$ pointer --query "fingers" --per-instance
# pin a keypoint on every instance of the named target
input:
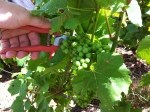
(14, 42)
(35, 40)
(39, 22)
(5, 44)
(24, 41)
(6, 34)
(31, 38)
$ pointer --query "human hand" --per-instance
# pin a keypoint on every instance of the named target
(14, 37)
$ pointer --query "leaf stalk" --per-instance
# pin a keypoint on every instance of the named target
(115, 38)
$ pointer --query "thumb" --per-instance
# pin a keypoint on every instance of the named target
(40, 22)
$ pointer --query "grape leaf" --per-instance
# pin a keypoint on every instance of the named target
(17, 105)
(60, 65)
(145, 80)
(57, 23)
(134, 13)
(132, 28)
(101, 25)
(84, 7)
(109, 3)
(33, 64)
(143, 50)
(23, 90)
(14, 87)
(109, 78)
(21, 62)
(27, 104)
(71, 23)
(52, 6)
(148, 12)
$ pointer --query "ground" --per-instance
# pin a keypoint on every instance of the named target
(139, 97)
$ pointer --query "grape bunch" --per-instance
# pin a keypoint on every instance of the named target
(81, 50)
(84, 100)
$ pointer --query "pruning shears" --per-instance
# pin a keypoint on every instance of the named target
(37, 48)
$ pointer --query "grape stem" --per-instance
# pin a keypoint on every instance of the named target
(108, 26)
(115, 38)
(65, 75)
(96, 18)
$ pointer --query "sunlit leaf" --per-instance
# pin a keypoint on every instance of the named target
(143, 50)
(108, 78)
(145, 80)
(134, 13)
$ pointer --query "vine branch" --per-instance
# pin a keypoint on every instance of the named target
(96, 18)
(115, 39)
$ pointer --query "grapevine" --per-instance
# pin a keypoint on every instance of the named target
(86, 65)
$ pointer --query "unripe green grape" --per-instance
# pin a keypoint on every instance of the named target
(98, 45)
(85, 45)
(80, 67)
(85, 50)
(62, 47)
(81, 54)
(74, 59)
(77, 63)
(84, 65)
(78, 58)
(65, 43)
(74, 52)
(94, 48)
(79, 48)
(89, 48)
(74, 44)
(88, 55)
(66, 51)
(71, 37)
(105, 47)
(88, 41)
(82, 60)
(87, 60)
(74, 67)
(99, 50)
(78, 37)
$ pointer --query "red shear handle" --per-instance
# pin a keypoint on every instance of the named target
(39, 30)
(51, 49)
(36, 29)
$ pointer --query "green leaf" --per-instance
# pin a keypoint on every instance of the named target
(33, 64)
(109, 3)
(27, 104)
(21, 62)
(84, 7)
(17, 105)
(132, 28)
(102, 26)
(145, 80)
(52, 6)
(57, 58)
(134, 13)
(148, 12)
(108, 78)
(143, 50)
(136, 110)
(71, 23)
(14, 87)
(57, 23)
(23, 90)
(123, 107)
(60, 65)
(1, 66)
